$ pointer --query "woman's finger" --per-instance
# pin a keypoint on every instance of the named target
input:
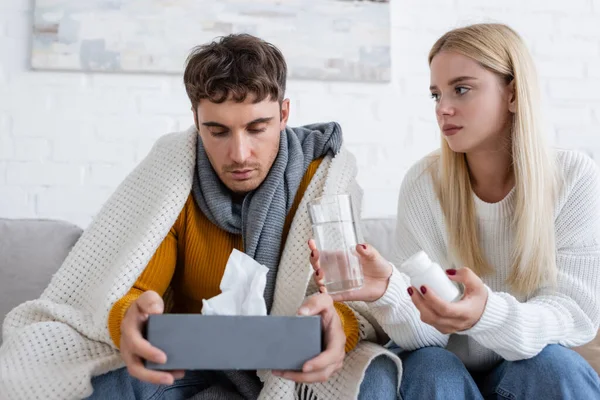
(440, 307)
(314, 255)
(469, 279)
(427, 314)
(319, 277)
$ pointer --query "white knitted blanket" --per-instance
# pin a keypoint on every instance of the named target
(54, 345)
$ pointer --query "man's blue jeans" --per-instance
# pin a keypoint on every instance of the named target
(380, 382)
(555, 373)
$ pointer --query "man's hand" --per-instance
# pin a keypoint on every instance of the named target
(320, 368)
(135, 349)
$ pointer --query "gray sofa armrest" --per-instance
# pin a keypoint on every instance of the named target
(31, 251)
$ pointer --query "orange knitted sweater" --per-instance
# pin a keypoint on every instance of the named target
(189, 264)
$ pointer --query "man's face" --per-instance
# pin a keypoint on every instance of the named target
(241, 139)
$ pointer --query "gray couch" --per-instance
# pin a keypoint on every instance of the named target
(32, 250)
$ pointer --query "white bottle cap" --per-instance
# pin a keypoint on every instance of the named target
(415, 264)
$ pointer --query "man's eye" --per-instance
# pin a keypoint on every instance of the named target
(257, 130)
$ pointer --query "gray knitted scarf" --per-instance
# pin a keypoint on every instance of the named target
(260, 221)
(262, 215)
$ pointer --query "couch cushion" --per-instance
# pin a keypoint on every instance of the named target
(31, 250)
(591, 352)
(379, 232)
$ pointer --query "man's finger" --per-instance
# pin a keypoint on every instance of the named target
(136, 369)
(127, 356)
(309, 377)
(179, 374)
(150, 302)
(317, 304)
(134, 342)
(330, 356)
(335, 351)
(142, 348)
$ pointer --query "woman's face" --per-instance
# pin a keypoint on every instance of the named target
(474, 106)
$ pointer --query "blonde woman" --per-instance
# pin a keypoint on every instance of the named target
(517, 224)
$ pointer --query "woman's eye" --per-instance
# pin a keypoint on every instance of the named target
(461, 90)
(435, 96)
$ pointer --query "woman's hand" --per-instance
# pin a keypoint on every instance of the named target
(376, 270)
(452, 317)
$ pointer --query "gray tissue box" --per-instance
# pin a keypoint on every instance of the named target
(215, 342)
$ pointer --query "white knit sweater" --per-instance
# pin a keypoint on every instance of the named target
(55, 344)
(511, 327)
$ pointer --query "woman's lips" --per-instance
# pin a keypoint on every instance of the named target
(450, 129)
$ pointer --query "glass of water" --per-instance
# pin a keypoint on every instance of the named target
(334, 232)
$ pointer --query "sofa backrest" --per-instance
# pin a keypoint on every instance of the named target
(379, 232)
(31, 250)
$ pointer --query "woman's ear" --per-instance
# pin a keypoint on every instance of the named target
(512, 97)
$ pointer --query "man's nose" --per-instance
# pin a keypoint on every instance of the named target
(240, 148)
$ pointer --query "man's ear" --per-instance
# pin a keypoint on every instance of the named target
(285, 113)
(512, 97)
(195, 112)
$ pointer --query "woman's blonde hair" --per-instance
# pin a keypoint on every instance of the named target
(500, 49)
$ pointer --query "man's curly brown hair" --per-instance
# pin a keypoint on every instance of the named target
(235, 66)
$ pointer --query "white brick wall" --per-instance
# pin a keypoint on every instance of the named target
(67, 139)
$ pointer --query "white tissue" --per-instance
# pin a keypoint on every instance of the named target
(242, 288)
